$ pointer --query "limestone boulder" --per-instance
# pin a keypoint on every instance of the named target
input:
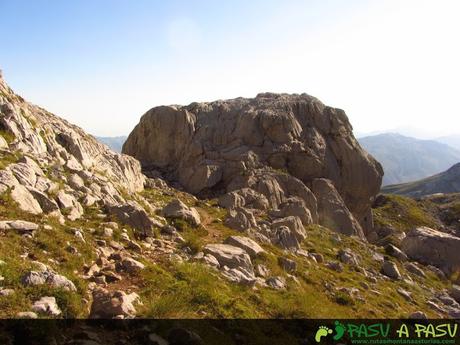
(134, 215)
(273, 144)
(230, 256)
(247, 244)
(47, 305)
(108, 305)
(432, 247)
(177, 209)
(240, 219)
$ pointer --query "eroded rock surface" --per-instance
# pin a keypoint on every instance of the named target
(266, 153)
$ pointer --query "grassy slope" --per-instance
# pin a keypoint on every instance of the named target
(193, 290)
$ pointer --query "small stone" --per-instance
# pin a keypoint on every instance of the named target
(406, 294)
(261, 271)
(414, 269)
(26, 315)
(6, 292)
(391, 270)
(418, 315)
(132, 266)
(277, 283)
(134, 246)
(33, 278)
(107, 232)
(47, 305)
(319, 258)
(287, 264)
(335, 266)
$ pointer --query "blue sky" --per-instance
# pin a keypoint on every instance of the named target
(101, 64)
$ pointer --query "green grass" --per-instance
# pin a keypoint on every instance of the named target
(7, 135)
(9, 158)
(403, 213)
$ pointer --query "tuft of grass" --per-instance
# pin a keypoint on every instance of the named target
(7, 135)
(9, 158)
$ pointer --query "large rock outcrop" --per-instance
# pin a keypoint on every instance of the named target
(275, 145)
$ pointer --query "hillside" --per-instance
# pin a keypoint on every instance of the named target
(406, 159)
(115, 143)
(83, 234)
(445, 182)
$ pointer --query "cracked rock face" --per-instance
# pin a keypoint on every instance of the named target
(275, 144)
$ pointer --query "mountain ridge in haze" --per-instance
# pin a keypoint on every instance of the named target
(445, 182)
(115, 143)
(451, 140)
(406, 159)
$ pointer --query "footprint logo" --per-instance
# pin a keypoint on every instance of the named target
(339, 330)
(322, 332)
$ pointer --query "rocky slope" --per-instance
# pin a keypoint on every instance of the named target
(405, 159)
(289, 155)
(445, 182)
(84, 234)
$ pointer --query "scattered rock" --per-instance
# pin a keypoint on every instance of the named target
(418, 315)
(47, 305)
(391, 270)
(240, 219)
(131, 266)
(239, 275)
(347, 257)
(319, 258)
(21, 226)
(406, 294)
(177, 209)
(134, 215)
(33, 278)
(6, 292)
(111, 304)
(335, 266)
(277, 283)
(47, 277)
(287, 264)
(59, 281)
(25, 200)
(414, 269)
(395, 252)
(424, 245)
(245, 243)
(230, 256)
(26, 315)
(294, 224)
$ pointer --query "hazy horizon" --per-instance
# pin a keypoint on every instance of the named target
(101, 65)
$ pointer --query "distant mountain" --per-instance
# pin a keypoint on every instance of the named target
(446, 182)
(406, 159)
(451, 140)
(115, 143)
